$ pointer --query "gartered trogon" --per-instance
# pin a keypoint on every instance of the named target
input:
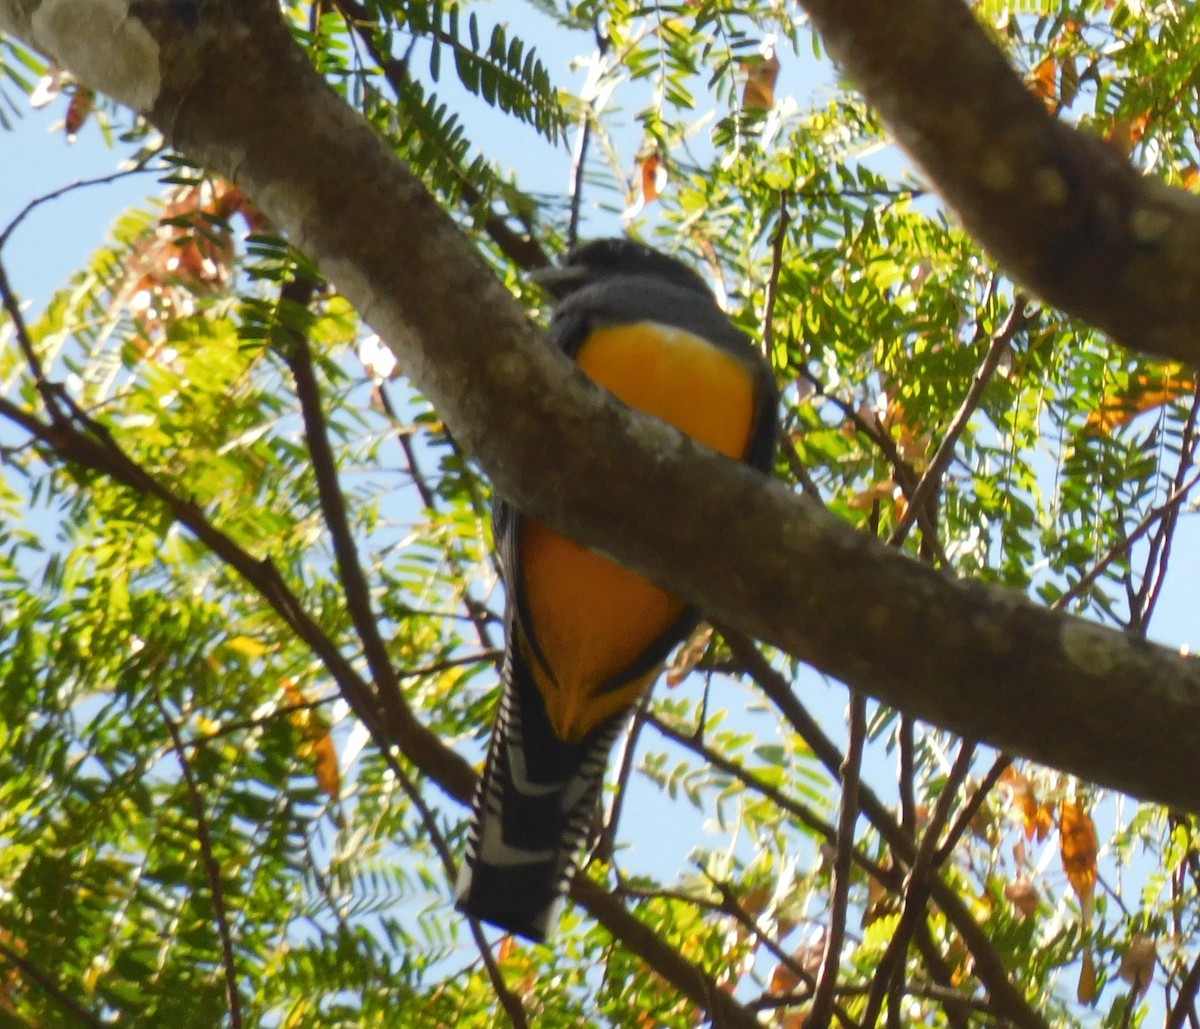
(586, 637)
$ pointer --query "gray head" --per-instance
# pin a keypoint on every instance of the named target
(616, 258)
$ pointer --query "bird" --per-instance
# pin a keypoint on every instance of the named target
(586, 637)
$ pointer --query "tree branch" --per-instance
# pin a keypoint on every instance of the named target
(931, 480)
(1062, 212)
(835, 932)
(211, 868)
(43, 981)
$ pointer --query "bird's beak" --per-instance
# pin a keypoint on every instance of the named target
(558, 279)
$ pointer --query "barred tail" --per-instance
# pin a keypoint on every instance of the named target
(533, 810)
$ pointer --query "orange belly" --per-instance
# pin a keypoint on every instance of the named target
(591, 617)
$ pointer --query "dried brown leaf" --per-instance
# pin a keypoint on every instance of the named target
(1138, 962)
(1079, 851)
(689, 655)
(1085, 991)
(761, 76)
(1023, 895)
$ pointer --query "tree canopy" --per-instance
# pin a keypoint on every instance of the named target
(250, 616)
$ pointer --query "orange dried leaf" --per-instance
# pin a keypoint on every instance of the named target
(783, 980)
(761, 76)
(316, 740)
(1137, 965)
(1079, 851)
(1043, 80)
(654, 177)
(1085, 992)
(1127, 132)
(80, 107)
(651, 180)
(1036, 818)
(1148, 391)
(325, 759)
(881, 493)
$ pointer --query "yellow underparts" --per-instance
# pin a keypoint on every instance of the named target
(591, 617)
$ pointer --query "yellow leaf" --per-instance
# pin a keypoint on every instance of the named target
(317, 741)
(325, 759)
(248, 646)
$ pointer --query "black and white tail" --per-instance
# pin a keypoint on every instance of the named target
(533, 811)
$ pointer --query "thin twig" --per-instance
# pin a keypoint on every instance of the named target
(477, 613)
(1155, 573)
(1185, 1003)
(490, 656)
(989, 968)
(25, 342)
(930, 481)
(785, 802)
(777, 245)
(831, 961)
(907, 774)
(608, 830)
(60, 997)
(798, 468)
(357, 591)
(916, 889)
(904, 474)
(578, 164)
(1173, 501)
(211, 868)
(971, 808)
(45, 198)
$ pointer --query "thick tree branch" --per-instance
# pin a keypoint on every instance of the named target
(975, 659)
(1061, 211)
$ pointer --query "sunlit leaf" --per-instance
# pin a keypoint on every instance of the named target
(1079, 849)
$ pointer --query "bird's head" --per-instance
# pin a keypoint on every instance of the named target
(615, 257)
